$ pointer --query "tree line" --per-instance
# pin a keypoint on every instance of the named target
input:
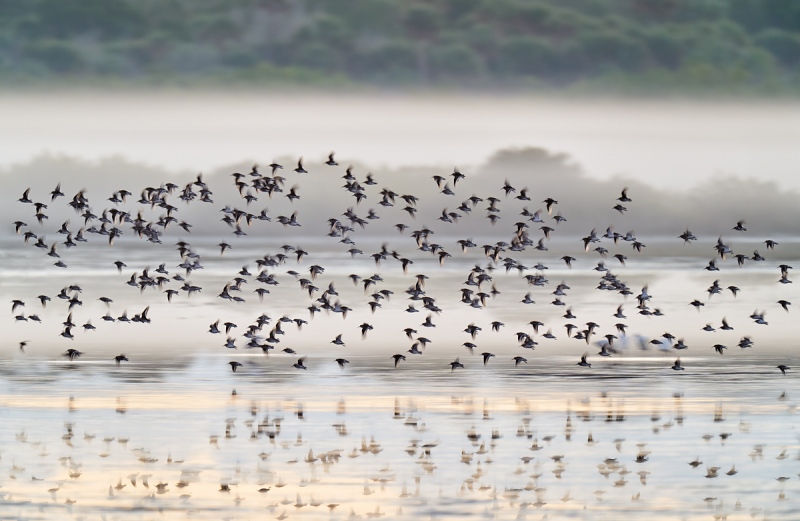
(661, 45)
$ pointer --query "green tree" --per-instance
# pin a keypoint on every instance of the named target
(332, 30)
(762, 14)
(599, 50)
(456, 61)
(105, 18)
(56, 55)
(422, 22)
(783, 45)
(317, 55)
(665, 47)
(395, 60)
(216, 28)
(525, 55)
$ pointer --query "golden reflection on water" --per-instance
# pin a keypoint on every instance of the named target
(468, 405)
(560, 454)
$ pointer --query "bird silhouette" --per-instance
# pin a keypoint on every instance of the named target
(455, 365)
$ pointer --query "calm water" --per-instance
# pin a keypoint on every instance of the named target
(174, 433)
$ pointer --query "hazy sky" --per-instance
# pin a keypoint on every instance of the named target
(664, 143)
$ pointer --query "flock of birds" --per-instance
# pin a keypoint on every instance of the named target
(155, 217)
(153, 220)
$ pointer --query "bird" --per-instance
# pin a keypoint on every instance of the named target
(120, 358)
(677, 365)
(486, 356)
(397, 359)
(457, 176)
(331, 161)
(455, 365)
(234, 365)
(24, 198)
(342, 362)
(519, 359)
(687, 236)
(299, 364)
(364, 328)
(72, 354)
(214, 328)
(784, 368)
(56, 193)
(583, 362)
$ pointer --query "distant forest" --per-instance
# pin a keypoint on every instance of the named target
(704, 46)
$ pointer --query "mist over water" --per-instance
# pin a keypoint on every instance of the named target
(173, 433)
(667, 144)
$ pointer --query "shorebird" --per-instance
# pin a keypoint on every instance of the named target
(550, 202)
(331, 161)
(687, 236)
(24, 198)
(72, 354)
